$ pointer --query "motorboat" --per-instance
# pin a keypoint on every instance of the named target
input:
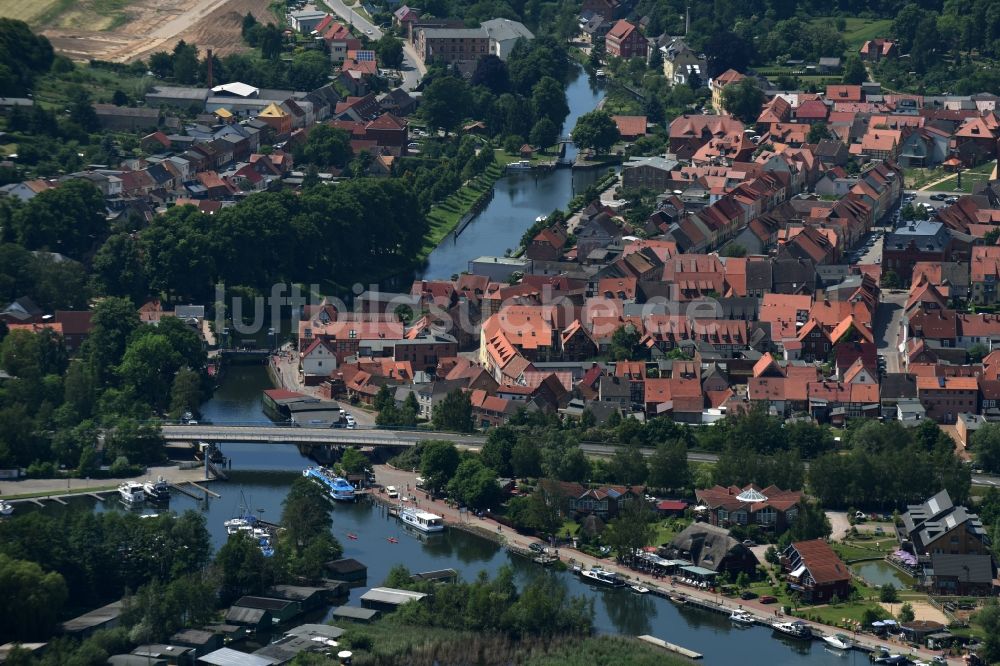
(522, 165)
(157, 491)
(740, 616)
(6, 508)
(264, 543)
(131, 492)
(599, 73)
(244, 521)
(601, 577)
(797, 629)
(839, 641)
(639, 588)
(339, 488)
(679, 599)
(421, 520)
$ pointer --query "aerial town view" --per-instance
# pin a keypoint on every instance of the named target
(541, 333)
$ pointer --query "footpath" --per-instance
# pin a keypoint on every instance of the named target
(405, 482)
(42, 488)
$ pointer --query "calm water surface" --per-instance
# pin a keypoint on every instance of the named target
(520, 198)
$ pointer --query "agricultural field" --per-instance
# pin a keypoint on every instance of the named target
(125, 30)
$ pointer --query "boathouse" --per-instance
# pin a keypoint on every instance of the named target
(308, 598)
(388, 599)
(438, 576)
(255, 619)
(230, 657)
(202, 641)
(347, 569)
(281, 610)
(356, 614)
(105, 617)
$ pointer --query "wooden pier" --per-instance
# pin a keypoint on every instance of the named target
(205, 490)
(670, 647)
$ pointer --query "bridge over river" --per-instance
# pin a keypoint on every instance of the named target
(263, 433)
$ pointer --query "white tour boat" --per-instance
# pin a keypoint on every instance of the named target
(740, 616)
(424, 521)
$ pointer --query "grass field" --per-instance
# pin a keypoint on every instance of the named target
(970, 178)
(444, 216)
(86, 14)
(857, 31)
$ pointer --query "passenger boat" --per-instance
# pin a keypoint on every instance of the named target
(338, 487)
(157, 491)
(131, 492)
(421, 520)
(796, 629)
(523, 165)
(601, 577)
(740, 616)
(6, 508)
(264, 543)
(639, 589)
(839, 641)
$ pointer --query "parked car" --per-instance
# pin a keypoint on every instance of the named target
(391, 492)
(768, 599)
(748, 595)
(938, 197)
(536, 547)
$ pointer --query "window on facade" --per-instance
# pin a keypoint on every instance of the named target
(740, 517)
(723, 514)
(766, 516)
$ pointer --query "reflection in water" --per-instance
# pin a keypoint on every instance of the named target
(631, 613)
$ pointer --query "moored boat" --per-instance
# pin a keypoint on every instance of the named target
(638, 588)
(131, 492)
(839, 641)
(601, 577)
(6, 508)
(740, 616)
(157, 491)
(796, 629)
(339, 488)
(421, 520)
(522, 165)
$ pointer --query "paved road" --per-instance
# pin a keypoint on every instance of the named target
(889, 328)
(412, 70)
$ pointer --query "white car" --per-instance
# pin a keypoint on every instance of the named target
(391, 492)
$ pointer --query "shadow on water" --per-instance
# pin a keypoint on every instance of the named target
(630, 613)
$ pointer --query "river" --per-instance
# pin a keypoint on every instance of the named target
(519, 198)
(262, 474)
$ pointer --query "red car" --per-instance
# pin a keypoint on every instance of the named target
(768, 599)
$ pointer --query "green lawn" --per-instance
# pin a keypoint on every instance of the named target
(857, 31)
(444, 216)
(970, 178)
(850, 551)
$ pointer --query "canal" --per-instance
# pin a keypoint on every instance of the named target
(261, 475)
(520, 197)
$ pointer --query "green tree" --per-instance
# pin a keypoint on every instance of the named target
(453, 413)
(118, 268)
(890, 280)
(743, 100)
(147, 368)
(548, 100)
(628, 465)
(186, 393)
(626, 344)
(544, 133)
(305, 513)
(389, 51)
(632, 530)
(244, 568)
(496, 452)
(185, 63)
(906, 612)
(888, 594)
(526, 458)
(69, 219)
(445, 102)
(818, 132)
(854, 71)
(597, 131)
(977, 351)
(668, 466)
(325, 146)
(31, 600)
(438, 462)
(989, 620)
(353, 461)
(475, 485)
(985, 445)
(112, 324)
(309, 70)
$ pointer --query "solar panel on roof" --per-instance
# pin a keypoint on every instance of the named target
(365, 56)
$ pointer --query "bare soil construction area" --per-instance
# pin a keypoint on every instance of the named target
(124, 30)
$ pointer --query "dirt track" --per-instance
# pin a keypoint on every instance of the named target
(158, 26)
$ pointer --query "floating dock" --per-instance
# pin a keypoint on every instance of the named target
(670, 647)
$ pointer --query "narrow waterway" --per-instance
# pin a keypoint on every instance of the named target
(262, 473)
(520, 197)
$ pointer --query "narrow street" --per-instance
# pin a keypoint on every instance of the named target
(889, 328)
(405, 482)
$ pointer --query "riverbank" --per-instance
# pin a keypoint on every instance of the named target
(42, 488)
(406, 483)
(469, 199)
